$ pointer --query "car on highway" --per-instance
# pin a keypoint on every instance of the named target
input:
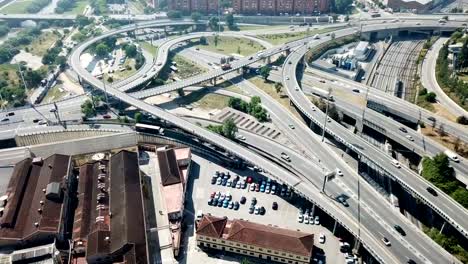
(53, 110)
(339, 172)
(274, 206)
(396, 163)
(42, 122)
(287, 77)
(399, 230)
(410, 261)
(322, 80)
(431, 191)
(146, 75)
(285, 157)
(291, 126)
(342, 201)
(5, 119)
(322, 238)
(402, 129)
(313, 108)
(356, 90)
(386, 241)
(328, 119)
(410, 138)
(10, 114)
(431, 118)
(106, 116)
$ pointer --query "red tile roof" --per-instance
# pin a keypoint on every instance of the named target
(168, 166)
(257, 234)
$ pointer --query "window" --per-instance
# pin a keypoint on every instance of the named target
(289, 261)
(223, 242)
(208, 238)
(251, 247)
(244, 246)
(283, 254)
(260, 249)
(214, 246)
(238, 244)
(251, 253)
(291, 256)
(237, 250)
(268, 250)
(275, 258)
(245, 252)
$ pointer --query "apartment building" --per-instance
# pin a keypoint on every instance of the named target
(254, 7)
(247, 238)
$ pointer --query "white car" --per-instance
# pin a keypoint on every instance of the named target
(410, 138)
(322, 238)
(339, 172)
(313, 108)
(287, 77)
(306, 220)
(252, 187)
(257, 210)
(386, 241)
(300, 218)
(317, 220)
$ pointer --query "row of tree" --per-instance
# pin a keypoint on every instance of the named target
(64, 5)
(437, 170)
(446, 76)
(11, 47)
(254, 108)
(228, 129)
(37, 5)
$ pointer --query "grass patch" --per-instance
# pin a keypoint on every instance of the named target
(277, 39)
(18, 7)
(55, 93)
(448, 141)
(231, 45)
(148, 47)
(422, 102)
(269, 88)
(203, 99)
(138, 6)
(186, 68)
(120, 75)
(40, 45)
(228, 86)
(78, 9)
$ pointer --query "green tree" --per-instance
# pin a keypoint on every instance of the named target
(238, 50)
(462, 120)
(61, 61)
(131, 50)
(278, 87)
(203, 41)
(196, 16)
(230, 22)
(213, 23)
(229, 128)
(4, 29)
(82, 21)
(342, 6)
(174, 14)
(216, 39)
(102, 50)
(431, 97)
(138, 117)
(265, 72)
(461, 195)
(110, 79)
(87, 109)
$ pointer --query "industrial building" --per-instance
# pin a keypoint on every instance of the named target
(109, 224)
(257, 240)
(35, 209)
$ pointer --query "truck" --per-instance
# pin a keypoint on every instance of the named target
(452, 155)
(225, 66)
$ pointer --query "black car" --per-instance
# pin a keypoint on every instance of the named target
(431, 119)
(5, 119)
(10, 114)
(220, 203)
(251, 209)
(402, 129)
(410, 261)
(356, 90)
(262, 210)
(210, 201)
(399, 230)
(213, 180)
(254, 201)
(243, 200)
(343, 201)
(431, 191)
(274, 206)
(236, 205)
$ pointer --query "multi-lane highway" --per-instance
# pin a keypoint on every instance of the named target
(454, 213)
(302, 185)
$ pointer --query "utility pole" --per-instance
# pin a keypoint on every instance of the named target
(326, 114)
(104, 84)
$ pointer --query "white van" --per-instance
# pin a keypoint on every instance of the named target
(396, 163)
(452, 155)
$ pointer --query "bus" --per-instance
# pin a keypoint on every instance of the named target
(145, 128)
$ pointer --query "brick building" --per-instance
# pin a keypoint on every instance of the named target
(254, 7)
(252, 239)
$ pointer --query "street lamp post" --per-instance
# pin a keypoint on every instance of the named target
(326, 114)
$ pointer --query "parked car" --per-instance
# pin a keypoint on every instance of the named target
(210, 201)
(249, 179)
(236, 205)
(231, 205)
(252, 187)
(257, 187)
(219, 181)
(243, 200)
(220, 203)
(213, 180)
(322, 238)
(262, 188)
(274, 206)
(317, 220)
(262, 210)
(254, 201)
(225, 203)
(300, 218)
(251, 209)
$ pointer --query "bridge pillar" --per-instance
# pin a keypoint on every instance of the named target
(268, 60)
(357, 245)
(287, 52)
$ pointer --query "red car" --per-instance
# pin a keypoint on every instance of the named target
(106, 116)
(213, 195)
(249, 179)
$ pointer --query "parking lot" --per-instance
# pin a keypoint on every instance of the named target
(286, 216)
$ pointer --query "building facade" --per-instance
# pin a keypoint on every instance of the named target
(254, 7)
(256, 240)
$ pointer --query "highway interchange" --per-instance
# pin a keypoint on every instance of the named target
(373, 218)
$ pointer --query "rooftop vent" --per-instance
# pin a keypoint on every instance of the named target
(79, 243)
(36, 224)
(50, 166)
(41, 202)
(107, 239)
(39, 210)
(1, 211)
(38, 161)
(54, 191)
